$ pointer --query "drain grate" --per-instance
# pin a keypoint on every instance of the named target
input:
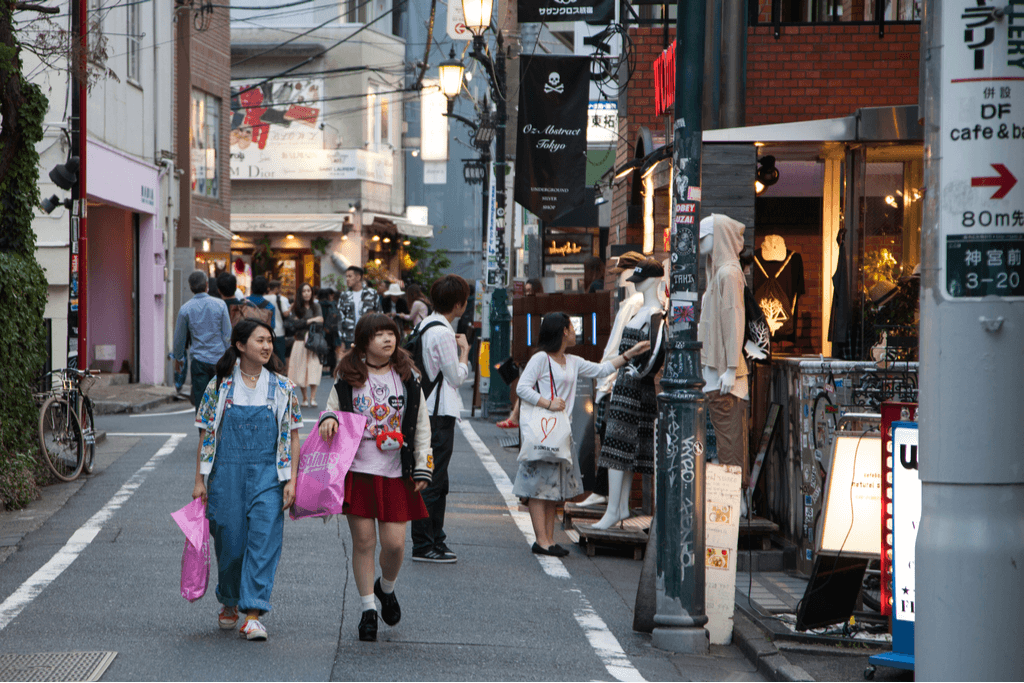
(55, 666)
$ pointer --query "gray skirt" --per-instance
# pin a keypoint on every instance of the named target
(548, 480)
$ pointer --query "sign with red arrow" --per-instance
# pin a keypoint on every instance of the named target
(1004, 181)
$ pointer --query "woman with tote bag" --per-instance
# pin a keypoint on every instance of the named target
(548, 469)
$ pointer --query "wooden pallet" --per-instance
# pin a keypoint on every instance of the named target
(758, 531)
(632, 532)
(573, 512)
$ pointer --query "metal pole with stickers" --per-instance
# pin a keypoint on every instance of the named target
(970, 550)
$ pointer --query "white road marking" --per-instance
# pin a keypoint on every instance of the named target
(174, 412)
(598, 634)
(84, 535)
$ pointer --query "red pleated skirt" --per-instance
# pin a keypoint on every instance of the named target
(382, 498)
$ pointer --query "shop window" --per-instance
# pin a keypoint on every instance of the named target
(134, 37)
(378, 118)
(828, 11)
(204, 141)
(367, 11)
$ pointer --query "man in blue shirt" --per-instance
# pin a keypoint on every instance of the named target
(206, 320)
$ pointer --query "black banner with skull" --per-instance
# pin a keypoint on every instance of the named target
(551, 146)
(590, 11)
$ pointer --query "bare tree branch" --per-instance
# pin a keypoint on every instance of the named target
(36, 8)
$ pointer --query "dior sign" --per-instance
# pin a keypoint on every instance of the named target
(552, 141)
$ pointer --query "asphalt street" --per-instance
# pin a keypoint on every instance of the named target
(102, 574)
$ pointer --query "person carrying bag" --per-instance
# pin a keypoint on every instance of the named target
(548, 470)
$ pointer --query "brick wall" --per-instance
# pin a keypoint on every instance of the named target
(828, 71)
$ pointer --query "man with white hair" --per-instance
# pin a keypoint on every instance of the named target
(206, 320)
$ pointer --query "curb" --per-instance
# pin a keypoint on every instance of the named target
(115, 407)
(763, 653)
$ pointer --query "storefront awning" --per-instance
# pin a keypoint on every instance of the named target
(215, 229)
(404, 225)
(289, 223)
(869, 124)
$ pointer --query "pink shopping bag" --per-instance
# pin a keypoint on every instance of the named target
(195, 560)
(320, 482)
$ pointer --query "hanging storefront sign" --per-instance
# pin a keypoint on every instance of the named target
(981, 214)
(277, 134)
(602, 122)
(574, 248)
(590, 11)
(552, 140)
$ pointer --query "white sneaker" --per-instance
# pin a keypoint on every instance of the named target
(253, 630)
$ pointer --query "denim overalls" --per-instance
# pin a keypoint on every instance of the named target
(244, 503)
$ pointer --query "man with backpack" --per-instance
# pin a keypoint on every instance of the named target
(442, 358)
(245, 308)
(204, 320)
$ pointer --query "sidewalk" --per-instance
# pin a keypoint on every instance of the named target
(132, 398)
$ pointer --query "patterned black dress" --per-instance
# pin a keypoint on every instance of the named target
(628, 442)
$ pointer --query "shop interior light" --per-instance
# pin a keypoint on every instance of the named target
(758, 187)
(206, 245)
(376, 238)
(290, 236)
(478, 15)
(386, 240)
(344, 238)
(406, 242)
(377, 261)
(236, 237)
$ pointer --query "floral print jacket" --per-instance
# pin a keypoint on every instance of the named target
(286, 409)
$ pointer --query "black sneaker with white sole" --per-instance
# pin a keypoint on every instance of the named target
(436, 556)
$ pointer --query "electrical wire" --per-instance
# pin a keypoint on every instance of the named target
(257, 9)
(296, 37)
(398, 3)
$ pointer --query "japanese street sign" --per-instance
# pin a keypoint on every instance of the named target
(981, 217)
(457, 22)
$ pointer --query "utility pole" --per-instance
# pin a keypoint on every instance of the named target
(679, 495)
(970, 550)
(79, 142)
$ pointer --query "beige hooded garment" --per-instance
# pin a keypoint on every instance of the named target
(722, 316)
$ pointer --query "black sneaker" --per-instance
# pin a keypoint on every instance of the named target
(443, 547)
(368, 626)
(436, 556)
(390, 612)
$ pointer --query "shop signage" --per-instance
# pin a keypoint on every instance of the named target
(552, 141)
(602, 122)
(981, 213)
(853, 502)
(314, 164)
(665, 79)
(457, 22)
(591, 11)
(567, 248)
(906, 515)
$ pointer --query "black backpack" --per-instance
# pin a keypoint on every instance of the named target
(414, 345)
(756, 331)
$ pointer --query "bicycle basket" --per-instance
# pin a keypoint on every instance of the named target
(85, 384)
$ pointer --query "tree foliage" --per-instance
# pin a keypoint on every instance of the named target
(22, 282)
(425, 263)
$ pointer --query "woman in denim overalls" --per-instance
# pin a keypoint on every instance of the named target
(249, 448)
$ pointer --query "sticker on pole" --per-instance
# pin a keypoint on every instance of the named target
(981, 217)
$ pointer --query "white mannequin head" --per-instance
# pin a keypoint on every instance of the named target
(630, 289)
(647, 285)
(707, 243)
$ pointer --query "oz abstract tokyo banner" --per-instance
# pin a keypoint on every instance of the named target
(591, 11)
(551, 161)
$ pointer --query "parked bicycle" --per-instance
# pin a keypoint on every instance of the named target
(67, 433)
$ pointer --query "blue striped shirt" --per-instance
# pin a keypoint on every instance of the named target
(207, 320)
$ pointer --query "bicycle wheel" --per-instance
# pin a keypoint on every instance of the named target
(60, 437)
(85, 419)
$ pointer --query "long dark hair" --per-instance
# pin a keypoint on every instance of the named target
(413, 293)
(240, 335)
(551, 330)
(352, 367)
(300, 308)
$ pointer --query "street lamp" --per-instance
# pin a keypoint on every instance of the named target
(478, 15)
(450, 74)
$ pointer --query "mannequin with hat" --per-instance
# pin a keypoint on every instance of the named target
(720, 332)
(632, 301)
(628, 444)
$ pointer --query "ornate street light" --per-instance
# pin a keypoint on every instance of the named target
(450, 74)
(478, 15)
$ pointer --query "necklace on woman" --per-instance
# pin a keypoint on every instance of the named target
(379, 367)
(247, 376)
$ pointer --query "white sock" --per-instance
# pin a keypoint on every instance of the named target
(387, 586)
(368, 602)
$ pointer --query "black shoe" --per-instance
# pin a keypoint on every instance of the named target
(553, 551)
(368, 626)
(390, 612)
(436, 556)
(443, 548)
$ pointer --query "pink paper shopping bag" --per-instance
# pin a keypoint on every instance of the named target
(195, 560)
(320, 482)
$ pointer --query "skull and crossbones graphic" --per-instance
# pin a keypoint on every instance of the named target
(554, 83)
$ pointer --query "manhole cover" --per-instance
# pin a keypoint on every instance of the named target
(55, 666)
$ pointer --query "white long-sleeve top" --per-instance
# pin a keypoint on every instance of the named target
(441, 354)
(535, 381)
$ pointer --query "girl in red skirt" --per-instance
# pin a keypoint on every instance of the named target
(392, 464)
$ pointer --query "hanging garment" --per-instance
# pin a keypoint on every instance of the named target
(775, 288)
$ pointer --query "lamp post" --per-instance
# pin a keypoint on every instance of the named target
(450, 76)
(478, 19)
